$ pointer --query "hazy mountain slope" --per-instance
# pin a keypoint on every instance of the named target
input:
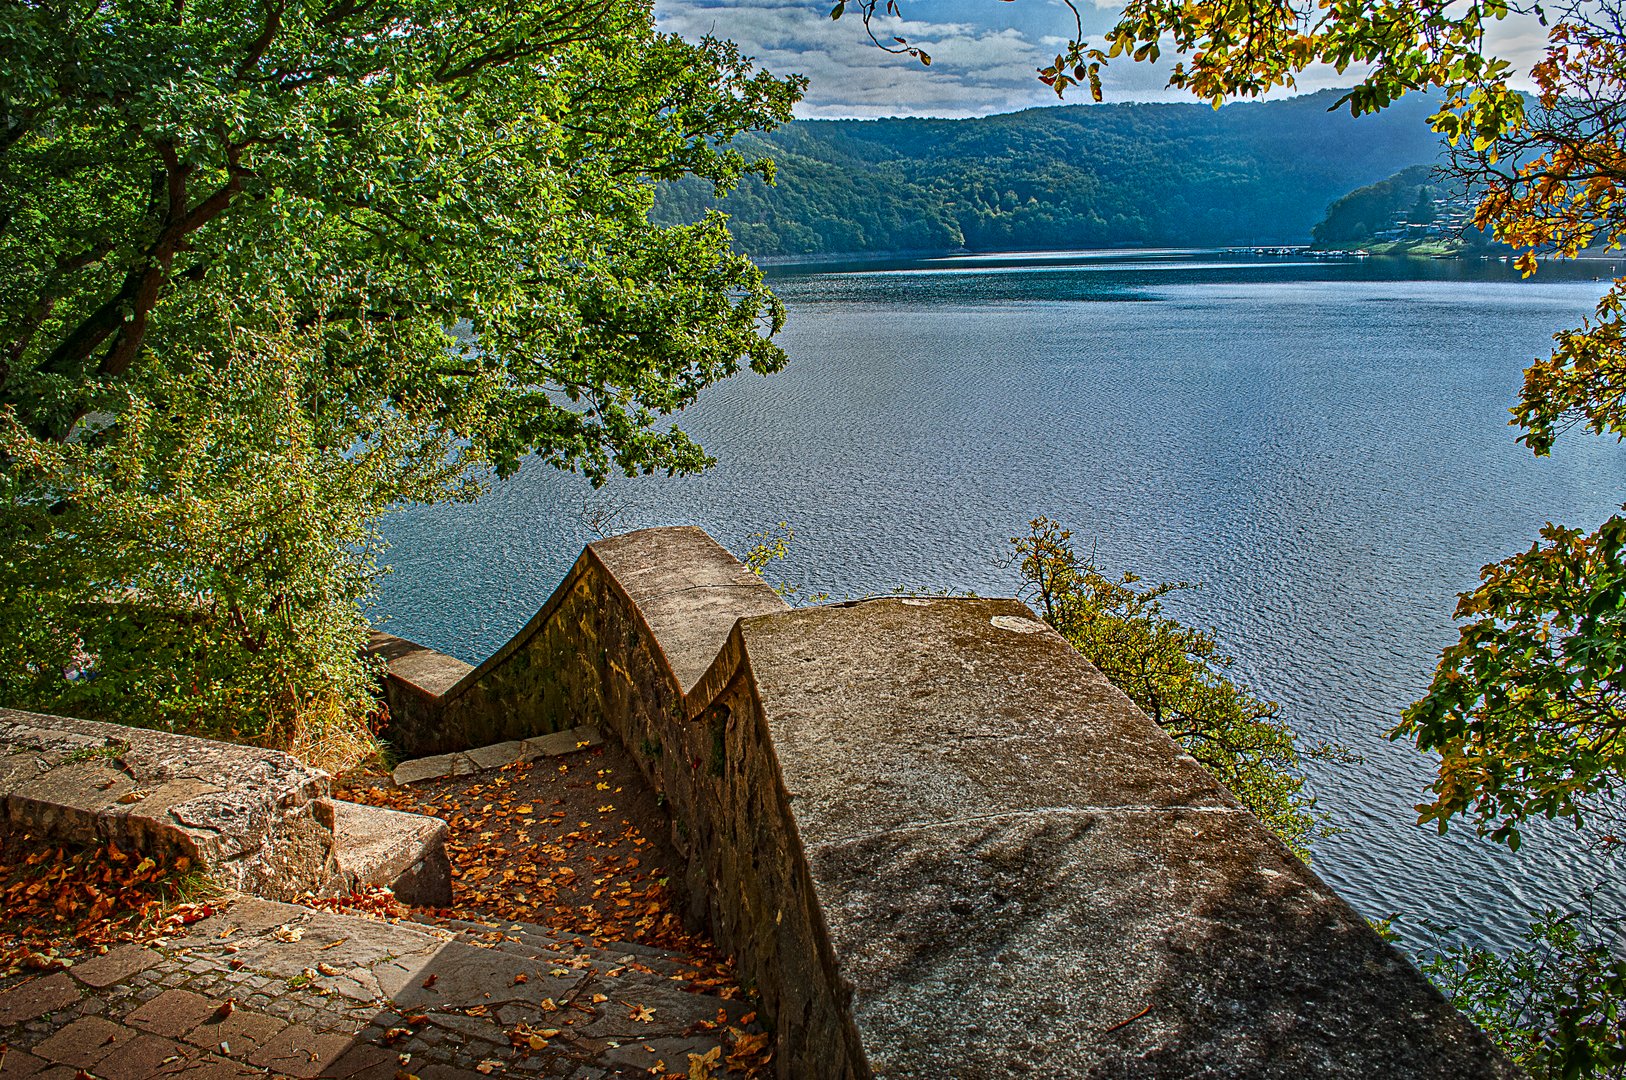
(1072, 176)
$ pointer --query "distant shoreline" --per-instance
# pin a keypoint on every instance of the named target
(1422, 252)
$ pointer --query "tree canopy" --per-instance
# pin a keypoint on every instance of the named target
(270, 267)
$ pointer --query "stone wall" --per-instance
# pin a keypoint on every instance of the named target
(256, 820)
(939, 843)
(565, 668)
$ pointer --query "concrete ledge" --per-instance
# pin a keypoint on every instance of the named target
(678, 588)
(242, 813)
(256, 820)
(425, 670)
(484, 758)
(985, 818)
(405, 853)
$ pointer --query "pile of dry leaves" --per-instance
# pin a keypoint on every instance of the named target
(573, 844)
(61, 902)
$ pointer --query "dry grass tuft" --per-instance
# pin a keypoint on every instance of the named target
(326, 735)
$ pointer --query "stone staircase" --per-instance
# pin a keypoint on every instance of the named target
(528, 939)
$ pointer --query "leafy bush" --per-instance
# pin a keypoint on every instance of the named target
(1557, 1006)
(201, 565)
(1179, 676)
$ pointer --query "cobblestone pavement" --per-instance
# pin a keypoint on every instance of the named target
(269, 989)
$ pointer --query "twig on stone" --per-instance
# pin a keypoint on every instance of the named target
(1120, 1025)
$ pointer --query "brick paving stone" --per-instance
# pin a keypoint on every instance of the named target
(118, 966)
(443, 1072)
(36, 998)
(144, 1056)
(210, 1067)
(244, 1031)
(177, 1033)
(16, 1064)
(300, 1052)
(364, 1061)
(84, 1042)
(57, 1072)
(174, 1012)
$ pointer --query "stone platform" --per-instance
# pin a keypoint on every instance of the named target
(256, 820)
(271, 989)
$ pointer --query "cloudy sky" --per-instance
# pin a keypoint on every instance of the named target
(984, 53)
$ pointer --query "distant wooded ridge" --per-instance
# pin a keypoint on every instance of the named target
(1071, 176)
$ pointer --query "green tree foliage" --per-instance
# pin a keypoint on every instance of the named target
(270, 268)
(1527, 710)
(1553, 1004)
(1352, 219)
(1074, 176)
(1178, 675)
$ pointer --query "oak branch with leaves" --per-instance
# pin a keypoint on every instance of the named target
(269, 268)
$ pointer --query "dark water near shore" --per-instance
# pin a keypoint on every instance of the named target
(1323, 445)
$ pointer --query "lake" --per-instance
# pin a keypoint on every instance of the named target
(1323, 445)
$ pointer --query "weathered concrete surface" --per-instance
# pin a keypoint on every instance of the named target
(315, 994)
(257, 820)
(986, 821)
(496, 756)
(417, 665)
(403, 852)
(241, 812)
(416, 679)
(687, 591)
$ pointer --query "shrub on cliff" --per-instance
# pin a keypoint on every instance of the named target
(268, 269)
(1178, 675)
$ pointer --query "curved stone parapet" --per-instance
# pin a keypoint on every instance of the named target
(941, 844)
(676, 586)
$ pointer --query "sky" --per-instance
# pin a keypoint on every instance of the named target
(985, 54)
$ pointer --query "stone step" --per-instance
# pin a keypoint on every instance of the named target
(244, 814)
(375, 846)
(495, 756)
(529, 939)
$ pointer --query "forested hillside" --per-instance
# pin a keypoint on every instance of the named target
(1414, 208)
(1072, 176)
(1359, 216)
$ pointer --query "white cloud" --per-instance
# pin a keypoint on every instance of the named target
(974, 71)
(985, 55)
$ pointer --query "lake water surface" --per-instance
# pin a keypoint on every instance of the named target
(1323, 445)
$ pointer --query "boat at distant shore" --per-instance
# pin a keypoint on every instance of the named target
(1301, 251)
